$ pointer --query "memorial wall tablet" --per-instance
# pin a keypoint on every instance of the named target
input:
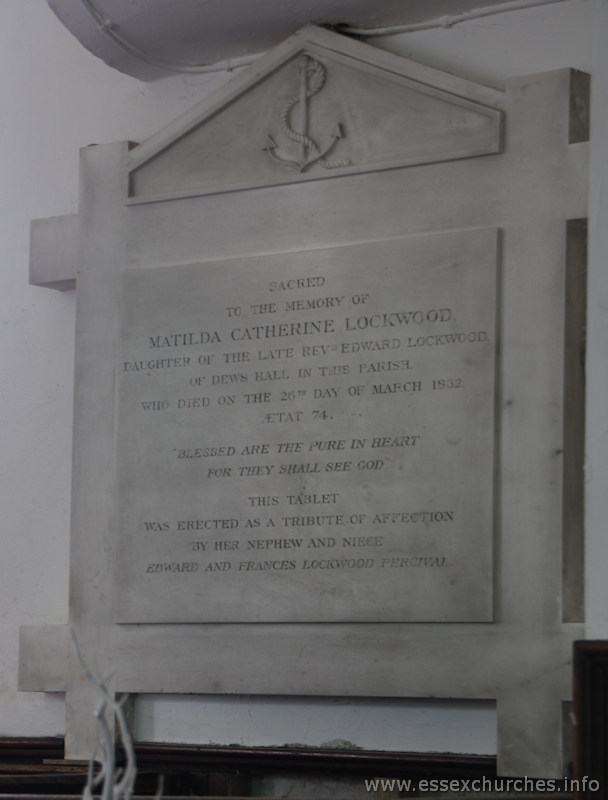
(310, 436)
(328, 410)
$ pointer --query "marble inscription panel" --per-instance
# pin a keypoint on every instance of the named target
(309, 436)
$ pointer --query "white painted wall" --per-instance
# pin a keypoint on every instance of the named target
(54, 98)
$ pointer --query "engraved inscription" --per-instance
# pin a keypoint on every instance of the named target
(309, 436)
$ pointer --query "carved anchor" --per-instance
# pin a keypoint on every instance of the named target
(312, 80)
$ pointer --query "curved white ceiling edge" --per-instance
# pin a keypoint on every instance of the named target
(149, 39)
(80, 23)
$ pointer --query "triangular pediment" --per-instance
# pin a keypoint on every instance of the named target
(317, 106)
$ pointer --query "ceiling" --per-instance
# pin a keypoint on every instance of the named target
(143, 37)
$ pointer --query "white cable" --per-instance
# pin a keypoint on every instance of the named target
(448, 21)
(107, 26)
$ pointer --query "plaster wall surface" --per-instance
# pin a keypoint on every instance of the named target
(58, 98)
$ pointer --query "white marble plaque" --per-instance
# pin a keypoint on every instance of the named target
(310, 436)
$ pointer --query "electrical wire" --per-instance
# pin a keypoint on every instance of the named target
(446, 21)
(108, 27)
